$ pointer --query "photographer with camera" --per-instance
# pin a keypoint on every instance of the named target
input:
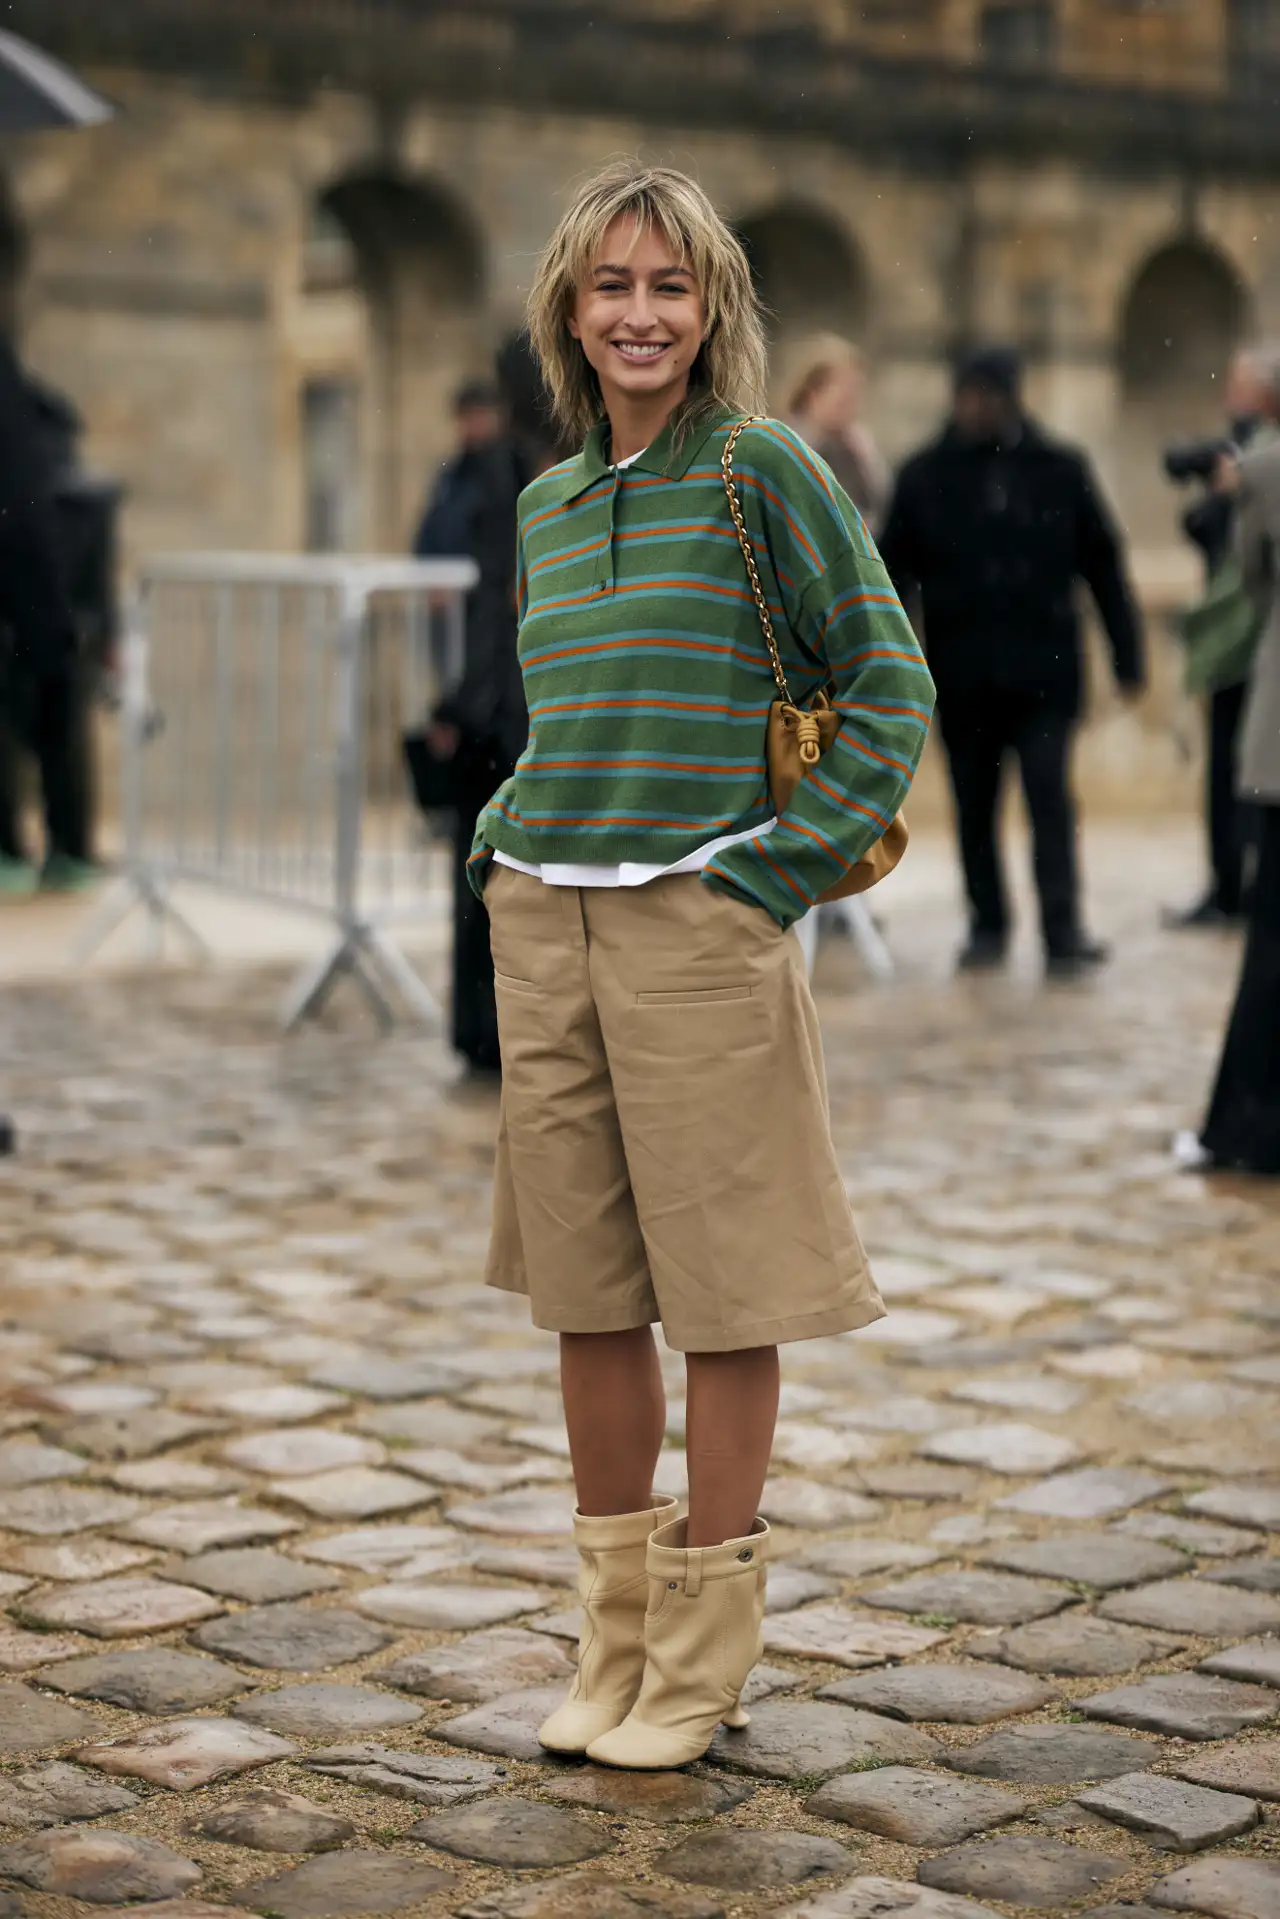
(1241, 1132)
(1220, 634)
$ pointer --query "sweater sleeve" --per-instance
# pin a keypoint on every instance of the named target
(847, 625)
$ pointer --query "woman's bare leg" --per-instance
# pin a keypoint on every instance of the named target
(732, 1411)
(615, 1410)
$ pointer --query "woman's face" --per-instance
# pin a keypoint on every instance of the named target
(639, 316)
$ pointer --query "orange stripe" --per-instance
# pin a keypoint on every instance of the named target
(884, 759)
(801, 454)
(759, 846)
(795, 826)
(854, 806)
(860, 659)
(626, 766)
(574, 553)
(608, 646)
(625, 706)
(745, 479)
(613, 819)
(642, 586)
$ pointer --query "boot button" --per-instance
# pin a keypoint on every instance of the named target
(672, 1585)
(747, 1554)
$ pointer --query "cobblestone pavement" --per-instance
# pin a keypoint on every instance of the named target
(283, 1492)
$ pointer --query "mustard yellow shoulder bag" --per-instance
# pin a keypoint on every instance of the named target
(797, 737)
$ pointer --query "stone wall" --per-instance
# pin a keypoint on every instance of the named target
(224, 248)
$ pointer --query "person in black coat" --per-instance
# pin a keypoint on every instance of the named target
(481, 724)
(37, 632)
(994, 523)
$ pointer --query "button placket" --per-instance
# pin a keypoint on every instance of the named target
(604, 559)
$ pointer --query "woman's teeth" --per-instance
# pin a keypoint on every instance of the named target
(633, 351)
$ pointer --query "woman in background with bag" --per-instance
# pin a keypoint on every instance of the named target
(695, 592)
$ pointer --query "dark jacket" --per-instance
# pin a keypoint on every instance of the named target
(488, 703)
(995, 538)
(35, 614)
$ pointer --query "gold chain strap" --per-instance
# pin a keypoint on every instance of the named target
(762, 605)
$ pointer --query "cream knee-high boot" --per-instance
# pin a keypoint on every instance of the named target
(613, 1586)
(702, 1638)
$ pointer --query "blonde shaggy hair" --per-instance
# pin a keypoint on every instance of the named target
(731, 367)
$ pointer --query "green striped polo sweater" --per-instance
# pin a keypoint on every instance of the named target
(648, 679)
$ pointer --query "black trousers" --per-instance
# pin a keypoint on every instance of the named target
(1231, 821)
(46, 717)
(1243, 1127)
(979, 733)
(475, 1007)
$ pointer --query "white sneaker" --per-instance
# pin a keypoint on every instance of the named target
(1188, 1152)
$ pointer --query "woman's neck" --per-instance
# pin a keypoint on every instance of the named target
(636, 420)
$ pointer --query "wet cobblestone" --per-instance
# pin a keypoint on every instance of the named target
(273, 1463)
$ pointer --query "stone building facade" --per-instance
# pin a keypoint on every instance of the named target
(312, 218)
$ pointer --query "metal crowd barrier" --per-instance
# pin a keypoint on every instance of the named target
(262, 709)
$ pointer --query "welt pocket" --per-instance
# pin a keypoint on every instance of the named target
(525, 986)
(706, 996)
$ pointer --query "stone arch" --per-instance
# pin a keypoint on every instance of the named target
(1183, 316)
(413, 257)
(809, 272)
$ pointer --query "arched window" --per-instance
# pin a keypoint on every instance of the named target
(328, 256)
(375, 411)
(393, 226)
(1184, 315)
(1253, 30)
(1019, 33)
(807, 271)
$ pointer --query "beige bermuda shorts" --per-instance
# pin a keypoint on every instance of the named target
(664, 1150)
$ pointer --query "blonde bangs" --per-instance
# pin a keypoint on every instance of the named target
(731, 368)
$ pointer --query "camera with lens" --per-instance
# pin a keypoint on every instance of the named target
(1195, 459)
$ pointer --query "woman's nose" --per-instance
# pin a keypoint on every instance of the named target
(640, 315)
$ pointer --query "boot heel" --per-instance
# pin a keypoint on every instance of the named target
(736, 1717)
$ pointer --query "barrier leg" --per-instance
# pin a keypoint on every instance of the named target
(310, 993)
(395, 968)
(365, 974)
(136, 889)
(870, 942)
(807, 934)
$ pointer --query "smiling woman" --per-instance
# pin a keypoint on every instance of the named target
(664, 1152)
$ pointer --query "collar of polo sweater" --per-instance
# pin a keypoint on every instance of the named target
(661, 456)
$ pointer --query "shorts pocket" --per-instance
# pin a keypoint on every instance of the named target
(704, 996)
(511, 985)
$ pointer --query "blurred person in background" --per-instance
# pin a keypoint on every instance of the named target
(446, 523)
(481, 724)
(824, 405)
(1242, 1130)
(38, 702)
(1209, 523)
(994, 523)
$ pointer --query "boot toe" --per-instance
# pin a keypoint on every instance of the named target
(636, 1747)
(572, 1727)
